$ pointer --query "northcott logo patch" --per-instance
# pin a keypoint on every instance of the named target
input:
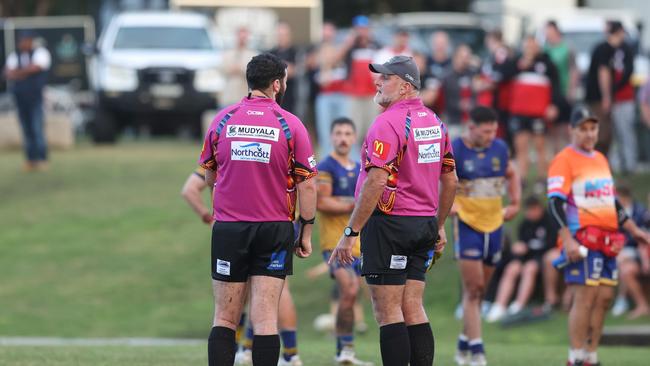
(380, 149)
(256, 132)
(250, 151)
(429, 153)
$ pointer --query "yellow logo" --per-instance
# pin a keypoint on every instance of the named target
(379, 147)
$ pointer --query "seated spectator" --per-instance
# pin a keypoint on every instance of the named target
(633, 262)
(536, 236)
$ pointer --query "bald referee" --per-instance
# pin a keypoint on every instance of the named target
(404, 194)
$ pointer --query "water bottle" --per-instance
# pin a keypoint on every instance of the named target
(563, 260)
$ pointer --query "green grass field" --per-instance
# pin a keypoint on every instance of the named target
(102, 245)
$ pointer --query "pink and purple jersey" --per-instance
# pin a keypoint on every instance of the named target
(410, 142)
(260, 152)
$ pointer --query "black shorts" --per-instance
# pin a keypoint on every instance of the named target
(534, 125)
(397, 248)
(243, 249)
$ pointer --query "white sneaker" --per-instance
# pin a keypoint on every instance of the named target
(621, 306)
(293, 361)
(244, 358)
(348, 358)
(478, 359)
(514, 308)
(462, 358)
(496, 313)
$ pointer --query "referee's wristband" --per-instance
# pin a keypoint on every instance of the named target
(306, 222)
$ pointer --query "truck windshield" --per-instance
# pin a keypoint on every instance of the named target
(177, 38)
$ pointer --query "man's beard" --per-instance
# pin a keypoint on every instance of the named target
(381, 99)
(280, 95)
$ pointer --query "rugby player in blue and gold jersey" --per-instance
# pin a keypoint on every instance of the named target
(484, 172)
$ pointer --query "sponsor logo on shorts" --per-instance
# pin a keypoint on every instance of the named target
(429, 153)
(427, 134)
(223, 267)
(277, 261)
(380, 149)
(256, 132)
(472, 253)
(250, 151)
(398, 262)
(555, 182)
(312, 161)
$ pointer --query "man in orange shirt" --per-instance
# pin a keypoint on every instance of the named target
(580, 179)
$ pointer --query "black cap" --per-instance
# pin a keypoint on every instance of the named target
(581, 114)
(402, 66)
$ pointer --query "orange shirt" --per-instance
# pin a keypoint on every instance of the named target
(585, 181)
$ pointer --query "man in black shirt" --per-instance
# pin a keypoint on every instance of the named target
(610, 93)
(286, 51)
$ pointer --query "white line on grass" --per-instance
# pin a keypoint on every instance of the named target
(136, 342)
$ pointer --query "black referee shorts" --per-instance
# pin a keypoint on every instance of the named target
(397, 248)
(243, 249)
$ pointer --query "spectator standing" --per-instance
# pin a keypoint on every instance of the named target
(234, 68)
(611, 95)
(437, 65)
(26, 70)
(644, 106)
(286, 51)
(358, 51)
(533, 104)
(564, 60)
(330, 75)
(494, 69)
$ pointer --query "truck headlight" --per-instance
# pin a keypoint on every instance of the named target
(208, 81)
(119, 79)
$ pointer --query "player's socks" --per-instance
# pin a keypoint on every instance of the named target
(248, 340)
(266, 350)
(476, 346)
(289, 344)
(422, 344)
(591, 358)
(241, 328)
(221, 346)
(344, 341)
(463, 343)
(576, 355)
(395, 346)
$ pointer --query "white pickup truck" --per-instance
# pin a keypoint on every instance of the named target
(152, 68)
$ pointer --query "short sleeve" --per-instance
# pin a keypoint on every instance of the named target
(12, 62)
(324, 173)
(448, 160)
(305, 167)
(42, 58)
(382, 144)
(559, 178)
(208, 160)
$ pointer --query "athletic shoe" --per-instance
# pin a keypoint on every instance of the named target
(244, 358)
(621, 306)
(496, 313)
(514, 308)
(462, 358)
(478, 359)
(293, 361)
(348, 358)
(577, 363)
